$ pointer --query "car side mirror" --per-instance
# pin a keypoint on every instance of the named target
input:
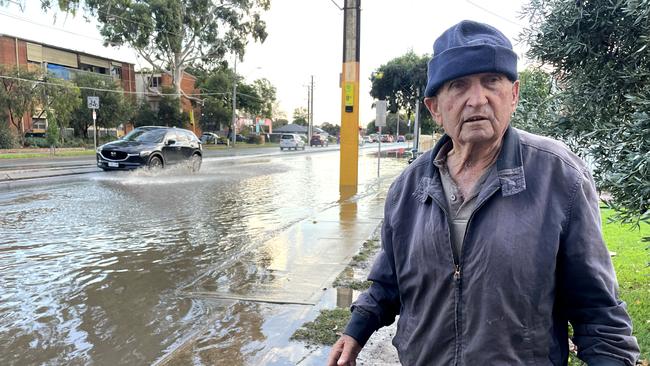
(171, 142)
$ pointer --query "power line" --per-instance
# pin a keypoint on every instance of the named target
(106, 90)
(50, 26)
(494, 14)
(337, 5)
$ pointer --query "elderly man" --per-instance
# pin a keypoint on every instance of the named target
(491, 242)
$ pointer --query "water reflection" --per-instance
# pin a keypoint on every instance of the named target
(98, 271)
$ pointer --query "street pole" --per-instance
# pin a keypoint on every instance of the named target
(379, 154)
(416, 127)
(308, 112)
(234, 105)
(349, 153)
(380, 121)
(95, 128)
(397, 133)
(311, 109)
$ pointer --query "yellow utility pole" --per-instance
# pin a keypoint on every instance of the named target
(349, 167)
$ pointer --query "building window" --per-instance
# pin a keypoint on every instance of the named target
(116, 72)
(154, 82)
(95, 69)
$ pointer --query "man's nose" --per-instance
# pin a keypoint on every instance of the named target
(476, 95)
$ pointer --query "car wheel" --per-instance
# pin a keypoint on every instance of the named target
(155, 163)
(195, 163)
(282, 148)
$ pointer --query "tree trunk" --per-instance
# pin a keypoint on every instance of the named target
(177, 73)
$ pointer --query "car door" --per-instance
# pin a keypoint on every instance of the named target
(185, 141)
(171, 149)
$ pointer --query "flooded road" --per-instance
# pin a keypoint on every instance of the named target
(128, 268)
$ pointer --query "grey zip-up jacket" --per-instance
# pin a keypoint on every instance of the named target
(533, 258)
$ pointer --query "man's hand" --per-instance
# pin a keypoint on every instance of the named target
(344, 352)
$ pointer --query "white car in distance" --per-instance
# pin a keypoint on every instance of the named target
(291, 141)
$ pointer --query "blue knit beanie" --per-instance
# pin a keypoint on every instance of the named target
(469, 48)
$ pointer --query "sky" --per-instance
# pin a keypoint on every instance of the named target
(305, 40)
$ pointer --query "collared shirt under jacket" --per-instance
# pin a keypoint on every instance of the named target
(532, 259)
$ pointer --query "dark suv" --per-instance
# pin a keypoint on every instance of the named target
(318, 140)
(153, 147)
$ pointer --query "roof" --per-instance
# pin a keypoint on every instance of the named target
(291, 128)
(75, 50)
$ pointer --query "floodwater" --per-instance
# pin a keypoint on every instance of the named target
(130, 268)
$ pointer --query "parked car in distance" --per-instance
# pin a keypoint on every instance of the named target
(291, 141)
(318, 140)
(401, 138)
(151, 147)
(367, 140)
(238, 137)
(386, 138)
(210, 138)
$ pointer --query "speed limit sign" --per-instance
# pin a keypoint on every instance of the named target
(93, 102)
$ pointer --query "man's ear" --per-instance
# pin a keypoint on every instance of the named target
(515, 94)
(432, 106)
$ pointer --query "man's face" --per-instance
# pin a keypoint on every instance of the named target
(475, 109)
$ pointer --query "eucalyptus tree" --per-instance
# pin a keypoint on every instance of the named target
(268, 98)
(300, 116)
(401, 81)
(173, 34)
(599, 56)
(19, 95)
(59, 99)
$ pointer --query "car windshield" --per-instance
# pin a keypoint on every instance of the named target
(142, 135)
(287, 137)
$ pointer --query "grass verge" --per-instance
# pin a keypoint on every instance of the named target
(631, 263)
(242, 145)
(28, 155)
(359, 263)
(325, 329)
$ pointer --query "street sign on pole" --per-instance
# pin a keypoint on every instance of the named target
(380, 121)
(93, 102)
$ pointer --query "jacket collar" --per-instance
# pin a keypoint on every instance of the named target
(509, 170)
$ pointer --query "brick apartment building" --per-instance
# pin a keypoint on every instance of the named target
(149, 87)
(61, 62)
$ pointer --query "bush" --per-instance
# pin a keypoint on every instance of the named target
(8, 139)
(256, 139)
(36, 142)
(76, 142)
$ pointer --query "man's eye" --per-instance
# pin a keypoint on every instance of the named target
(455, 85)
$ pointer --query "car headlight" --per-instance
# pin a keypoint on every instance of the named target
(144, 153)
(98, 150)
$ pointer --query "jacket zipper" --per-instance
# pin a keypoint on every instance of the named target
(457, 272)
(455, 258)
(457, 276)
